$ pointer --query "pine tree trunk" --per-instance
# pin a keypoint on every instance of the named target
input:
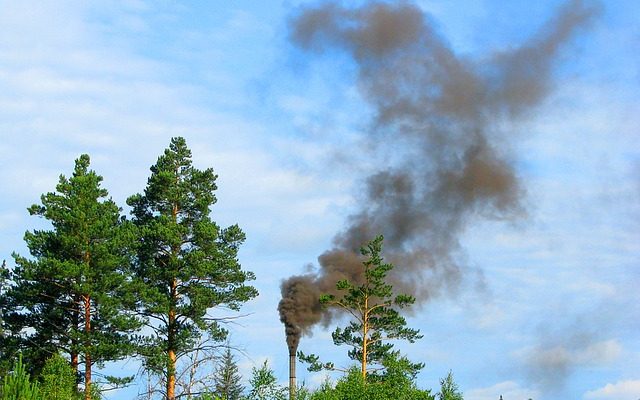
(365, 319)
(171, 352)
(75, 357)
(87, 354)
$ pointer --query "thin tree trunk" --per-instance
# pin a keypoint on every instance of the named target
(75, 359)
(171, 332)
(364, 339)
(171, 351)
(87, 354)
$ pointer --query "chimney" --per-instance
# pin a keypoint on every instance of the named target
(292, 376)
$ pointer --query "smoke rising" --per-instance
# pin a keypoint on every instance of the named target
(552, 361)
(443, 114)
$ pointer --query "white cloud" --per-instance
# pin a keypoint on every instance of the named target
(509, 390)
(621, 390)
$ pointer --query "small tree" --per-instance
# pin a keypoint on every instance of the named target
(17, 385)
(375, 318)
(264, 385)
(58, 382)
(449, 389)
(227, 379)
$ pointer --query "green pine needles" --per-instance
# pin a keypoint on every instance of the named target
(69, 292)
(375, 319)
(99, 287)
(17, 385)
(185, 263)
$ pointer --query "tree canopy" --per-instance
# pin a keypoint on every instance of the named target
(185, 263)
(374, 316)
(68, 296)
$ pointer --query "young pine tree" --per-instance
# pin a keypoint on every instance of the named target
(227, 379)
(17, 385)
(375, 319)
(69, 294)
(449, 389)
(186, 263)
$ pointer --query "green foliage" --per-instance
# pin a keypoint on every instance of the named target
(69, 295)
(58, 381)
(303, 393)
(353, 387)
(449, 389)
(375, 317)
(185, 264)
(7, 351)
(264, 385)
(227, 379)
(17, 385)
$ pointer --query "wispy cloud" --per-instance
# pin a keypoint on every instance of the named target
(621, 390)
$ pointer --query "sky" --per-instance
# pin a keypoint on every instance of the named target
(544, 303)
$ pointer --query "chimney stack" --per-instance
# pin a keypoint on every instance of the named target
(292, 376)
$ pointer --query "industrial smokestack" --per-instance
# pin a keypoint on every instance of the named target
(292, 376)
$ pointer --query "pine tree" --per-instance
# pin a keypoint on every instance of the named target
(69, 294)
(227, 379)
(186, 264)
(375, 319)
(18, 385)
(449, 389)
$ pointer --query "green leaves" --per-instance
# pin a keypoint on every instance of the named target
(264, 385)
(58, 380)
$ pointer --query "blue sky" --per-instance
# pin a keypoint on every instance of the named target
(555, 315)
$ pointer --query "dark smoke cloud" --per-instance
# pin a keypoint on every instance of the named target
(443, 114)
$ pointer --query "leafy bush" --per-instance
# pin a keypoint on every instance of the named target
(264, 385)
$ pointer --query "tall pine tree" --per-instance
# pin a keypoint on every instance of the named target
(70, 292)
(186, 263)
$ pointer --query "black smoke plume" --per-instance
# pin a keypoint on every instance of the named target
(442, 115)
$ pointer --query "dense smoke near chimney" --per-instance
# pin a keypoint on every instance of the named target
(442, 117)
